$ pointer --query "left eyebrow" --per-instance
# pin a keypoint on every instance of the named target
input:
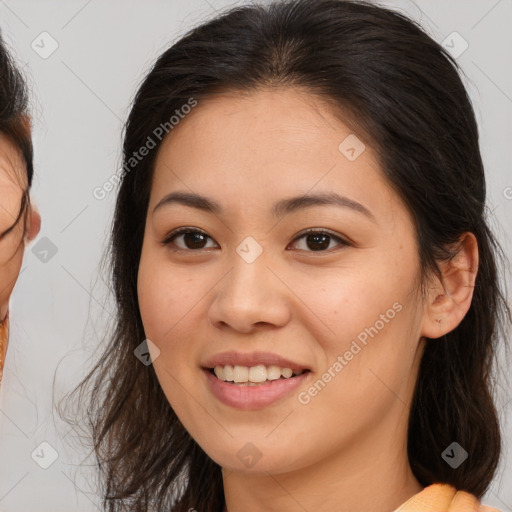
(292, 204)
(280, 208)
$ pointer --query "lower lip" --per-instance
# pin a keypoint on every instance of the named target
(252, 397)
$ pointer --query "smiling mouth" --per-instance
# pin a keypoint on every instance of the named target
(254, 375)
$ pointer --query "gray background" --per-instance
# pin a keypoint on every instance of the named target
(81, 95)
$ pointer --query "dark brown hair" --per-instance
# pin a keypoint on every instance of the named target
(381, 69)
(14, 119)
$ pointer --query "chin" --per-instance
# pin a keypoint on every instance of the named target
(251, 460)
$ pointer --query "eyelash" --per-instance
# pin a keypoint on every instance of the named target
(173, 234)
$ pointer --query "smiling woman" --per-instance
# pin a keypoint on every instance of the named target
(292, 237)
(19, 221)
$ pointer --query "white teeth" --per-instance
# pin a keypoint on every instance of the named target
(228, 372)
(220, 372)
(286, 372)
(273, 372)
(253, 374)
(240, 373)
(257, 373)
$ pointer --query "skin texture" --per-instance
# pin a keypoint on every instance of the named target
(13, 182)
(346, 449)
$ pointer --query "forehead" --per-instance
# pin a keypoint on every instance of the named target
(266, 144)
(293, 115)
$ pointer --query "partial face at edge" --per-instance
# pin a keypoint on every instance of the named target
(13, 183)
(306, 298)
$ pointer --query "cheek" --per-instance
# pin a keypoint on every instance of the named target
(163, 297)
(163, 305)
(170, 303)
(11, 257)
(346, 301)
(368, 317)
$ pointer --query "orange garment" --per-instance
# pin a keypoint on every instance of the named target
(4, 339)
(443, 498)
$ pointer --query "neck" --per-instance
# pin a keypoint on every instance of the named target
(371, 476)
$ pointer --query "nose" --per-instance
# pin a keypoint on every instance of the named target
(250, 296)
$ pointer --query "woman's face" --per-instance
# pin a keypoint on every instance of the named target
(13, 183)
(348, 309)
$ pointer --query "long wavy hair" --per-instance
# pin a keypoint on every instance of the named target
(388, 80)
(15, 120)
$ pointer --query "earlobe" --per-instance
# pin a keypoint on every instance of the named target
(449, 300)
(33, 225)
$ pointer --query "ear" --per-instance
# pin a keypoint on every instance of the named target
(449, 300)
(33, 224)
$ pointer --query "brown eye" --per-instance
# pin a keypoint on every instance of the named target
(191, 239)
(319, 241)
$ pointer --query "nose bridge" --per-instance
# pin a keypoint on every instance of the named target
(249, 272)
(249, 292)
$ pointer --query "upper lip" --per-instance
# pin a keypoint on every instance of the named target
(252, 359)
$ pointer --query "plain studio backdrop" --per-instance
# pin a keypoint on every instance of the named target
(84, 60)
